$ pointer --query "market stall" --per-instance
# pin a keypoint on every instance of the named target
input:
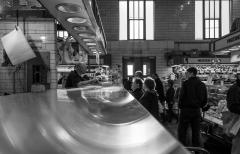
(218, 74)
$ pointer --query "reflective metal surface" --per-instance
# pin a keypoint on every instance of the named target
(90, 120)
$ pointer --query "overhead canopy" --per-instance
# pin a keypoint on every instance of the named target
(80, 20)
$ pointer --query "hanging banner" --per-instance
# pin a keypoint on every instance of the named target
(17, 47)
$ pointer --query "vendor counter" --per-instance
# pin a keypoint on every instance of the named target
(88, 120)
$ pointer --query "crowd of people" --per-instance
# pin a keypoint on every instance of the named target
(191, 97)
(150, 93)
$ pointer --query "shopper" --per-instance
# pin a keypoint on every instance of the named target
(193, 97)
(233, 104)
(161, 96)
(78, 77)
(138, 74)
(137, 88)
(150, 98)
(170, 101)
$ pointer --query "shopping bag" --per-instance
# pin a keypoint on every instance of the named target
(231, 123)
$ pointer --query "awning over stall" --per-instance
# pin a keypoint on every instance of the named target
(228, 44)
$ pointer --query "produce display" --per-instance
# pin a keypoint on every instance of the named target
(217, 100)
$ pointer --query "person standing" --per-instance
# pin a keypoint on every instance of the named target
(150, 98)
(233, 104)
(78, 77)
(137, 87)
(138, 74)
(170, 101)
(161, 96)
(193, 97)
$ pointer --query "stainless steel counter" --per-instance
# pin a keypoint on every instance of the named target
(89, 120)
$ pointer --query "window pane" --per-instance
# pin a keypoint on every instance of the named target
(141, 29)
(141, 10)
(206, 8)
(206, 23)
(216, 28)
(207, 29)
(136, 6)
(123, 20)
(131, 29)
(206, 33)
(130, 9)
(149, 20)
(136, 29)
(225, 17)
(130, 70)
(212, 9)
(144, 69)
(198, 20)
(211, 28)
(217, 8)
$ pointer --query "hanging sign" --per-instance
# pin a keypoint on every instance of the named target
(17, 47)
(227, 41)
(206, 60)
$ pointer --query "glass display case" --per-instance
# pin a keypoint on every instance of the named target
(217, 100)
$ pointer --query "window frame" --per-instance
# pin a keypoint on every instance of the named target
(219, 19)
(144, 33)
(129, 19)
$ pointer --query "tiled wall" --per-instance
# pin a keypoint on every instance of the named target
(34, 29)
(140, 49)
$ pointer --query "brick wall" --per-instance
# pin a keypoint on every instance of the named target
(172, 23)
(34, 30)
(235, 10)
(109, 12)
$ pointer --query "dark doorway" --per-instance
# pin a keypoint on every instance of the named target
(132, 64)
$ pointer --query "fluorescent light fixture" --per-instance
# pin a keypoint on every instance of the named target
(77, 20)
(91, 44)
(235, 48)
(80, 28)
(69, 8)
(88, 40)
(87, 35)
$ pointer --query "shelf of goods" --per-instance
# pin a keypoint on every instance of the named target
(213, 117)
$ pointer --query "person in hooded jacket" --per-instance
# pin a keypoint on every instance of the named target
(150, 97)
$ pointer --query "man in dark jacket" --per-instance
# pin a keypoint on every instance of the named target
(233, 104)
(193, 97)
(137, 87)
(78, 77)
(150, 99)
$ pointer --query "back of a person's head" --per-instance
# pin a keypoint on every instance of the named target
(156, 75)
(149, 83)
(139, 81)
(192, 70)
(139, 74)
(170, 83)
(80, 68)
